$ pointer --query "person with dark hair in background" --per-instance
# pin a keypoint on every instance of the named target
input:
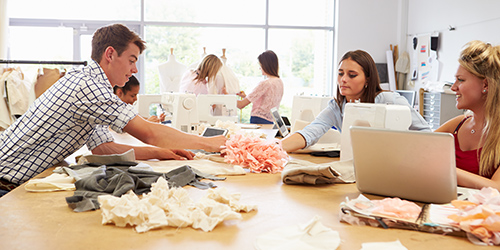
(128, 94)
(267, 94)
(358, 80)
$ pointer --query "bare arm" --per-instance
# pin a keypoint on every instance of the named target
(293, 142)
(167, 137)
(242, 103)
(143, 152)
(450, 125)
(470, 180)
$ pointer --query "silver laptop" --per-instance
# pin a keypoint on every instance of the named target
(418, 166)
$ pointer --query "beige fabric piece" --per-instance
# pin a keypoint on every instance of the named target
(304, 172)
(107, 159)
(51, 183)
(202, 165)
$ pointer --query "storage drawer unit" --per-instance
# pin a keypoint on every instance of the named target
(439, 108)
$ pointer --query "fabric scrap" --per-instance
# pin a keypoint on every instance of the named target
(479, 216)
(119, 178)
(51, 183)
(304, 172)
(260, 156)
(394, 245)
(107, 159)
(171, 206)
(312, 235)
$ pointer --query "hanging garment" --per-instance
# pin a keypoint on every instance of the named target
(18, 90)
(5, 117)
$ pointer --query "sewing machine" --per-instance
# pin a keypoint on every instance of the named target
(183, 108)
(376, 115)
(306, 108)
(217, 107)
(144, 102)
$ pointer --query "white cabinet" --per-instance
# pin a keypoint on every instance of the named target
(438, 108)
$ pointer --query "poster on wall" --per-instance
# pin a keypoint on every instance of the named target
(423, 56)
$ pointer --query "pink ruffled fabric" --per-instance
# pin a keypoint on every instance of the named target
(480, 215)
(260, 156)
(395, 207)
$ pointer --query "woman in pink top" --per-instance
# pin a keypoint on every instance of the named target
(267, 94)
(477, 134)
(204, 79)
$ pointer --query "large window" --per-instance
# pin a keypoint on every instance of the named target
(300, 32)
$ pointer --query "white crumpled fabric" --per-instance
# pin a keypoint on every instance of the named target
(165, 206)
(312, 235)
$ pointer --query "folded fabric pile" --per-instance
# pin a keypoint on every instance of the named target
(260, 156)
(480, 216)
(166, 206)
(304, 172)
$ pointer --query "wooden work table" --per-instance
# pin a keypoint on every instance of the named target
(44, 221)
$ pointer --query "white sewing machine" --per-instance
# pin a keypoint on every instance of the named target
(217, 107)
(306, 108)
(376, 115)
(144, 101)
(183, 108)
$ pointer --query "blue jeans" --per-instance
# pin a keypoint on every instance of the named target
(258, 120)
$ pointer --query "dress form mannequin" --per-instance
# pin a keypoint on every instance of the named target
(171, 73)
(195, 64)
(231, 82)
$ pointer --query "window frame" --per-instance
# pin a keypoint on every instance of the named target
(88, 27)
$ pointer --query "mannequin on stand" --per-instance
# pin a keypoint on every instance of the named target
(231, 82)
(171, 73)
(195, 64)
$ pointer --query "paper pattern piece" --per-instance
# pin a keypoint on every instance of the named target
(394, 245)
(173, 207)
(312, 235)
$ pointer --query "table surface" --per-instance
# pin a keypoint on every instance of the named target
(44, 221)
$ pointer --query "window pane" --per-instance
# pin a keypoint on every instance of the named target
(76, 10)
(305, 58)
(203, 11)
(301, 13)
(36, 44)
(242, 48)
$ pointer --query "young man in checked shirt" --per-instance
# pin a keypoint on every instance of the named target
(68, 115)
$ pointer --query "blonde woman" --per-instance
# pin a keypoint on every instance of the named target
(477, 144)
(204, 79)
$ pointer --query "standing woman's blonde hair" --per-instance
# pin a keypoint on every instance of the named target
(208, 68)
(483, 60)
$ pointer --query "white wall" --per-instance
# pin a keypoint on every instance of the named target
(374, 25)
(368, 25)
(473, 20)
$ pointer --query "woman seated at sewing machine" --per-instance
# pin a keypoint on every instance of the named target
(128, 94)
